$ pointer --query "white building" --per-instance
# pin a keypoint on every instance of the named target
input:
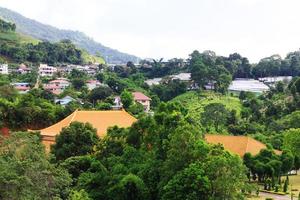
(3, 69)
(45, 70)
(248, 85)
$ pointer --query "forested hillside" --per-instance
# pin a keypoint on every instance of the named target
(17, 48)
(52, 34)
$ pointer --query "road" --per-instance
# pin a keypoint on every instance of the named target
(275, 197)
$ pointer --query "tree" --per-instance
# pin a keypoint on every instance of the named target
(78, 83)
(189, 184)
(223, 82)
(226, 173)
(127, 99)
(130, 187)
(95, 181)
(100, 77)
(136, 108)
(79, 195)
(291, 141)
(199, 73)
(75, 140)
(25, 172)
(214, 115)
(100, 93)
(287, 159)
(8, 92)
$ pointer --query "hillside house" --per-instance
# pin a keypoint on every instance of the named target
(92, 84)
(22, 87)
(23, 69)
(57, 86)
(137, 97)
(64, 101)
(45, 70)
(142, 99)
(3, 69)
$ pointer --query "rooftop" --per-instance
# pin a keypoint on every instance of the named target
(238, 144)
(140, 96)
(101, 120)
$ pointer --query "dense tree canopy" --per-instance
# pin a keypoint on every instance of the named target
(25, 172)
(75, 140)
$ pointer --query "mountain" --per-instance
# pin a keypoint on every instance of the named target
(41, 31)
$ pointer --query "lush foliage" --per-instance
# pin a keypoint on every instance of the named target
(25, 172)
(75, 140)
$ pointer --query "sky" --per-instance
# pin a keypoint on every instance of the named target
(174, 28)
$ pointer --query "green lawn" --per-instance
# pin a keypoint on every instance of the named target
(295, 182)
(195, 102)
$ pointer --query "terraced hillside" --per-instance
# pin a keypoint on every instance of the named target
(195, 102)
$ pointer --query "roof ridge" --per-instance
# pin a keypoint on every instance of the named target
(75, 113)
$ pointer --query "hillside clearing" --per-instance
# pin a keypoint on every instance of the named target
(195, 102)
(17, 38)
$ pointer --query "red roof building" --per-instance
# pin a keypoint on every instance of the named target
(142, 99)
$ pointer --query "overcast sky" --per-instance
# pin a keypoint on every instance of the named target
(174, 28)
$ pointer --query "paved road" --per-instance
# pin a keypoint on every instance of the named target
(275, 197)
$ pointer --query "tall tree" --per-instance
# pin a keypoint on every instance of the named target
(75, 140)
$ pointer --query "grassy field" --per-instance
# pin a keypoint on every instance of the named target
(195, 102)
(14, 37)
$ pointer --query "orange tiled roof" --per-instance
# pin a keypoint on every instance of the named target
(237, 144)
(101, 120)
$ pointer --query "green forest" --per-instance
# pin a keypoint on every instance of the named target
(17, 48)
(164, 154)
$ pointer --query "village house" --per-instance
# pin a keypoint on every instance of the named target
(138, 97)
(64, 101)
(90, 70)
(3, 69)
(57, 86)
(23, 69)
(92, 84)
(101, 120)
(142, 99)
(45, 70)
(22, 87)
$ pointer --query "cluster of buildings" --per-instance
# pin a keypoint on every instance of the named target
(22, 69)
(45, 70)
(56, 86)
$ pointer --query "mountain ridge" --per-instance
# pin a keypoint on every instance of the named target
(50, 33)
